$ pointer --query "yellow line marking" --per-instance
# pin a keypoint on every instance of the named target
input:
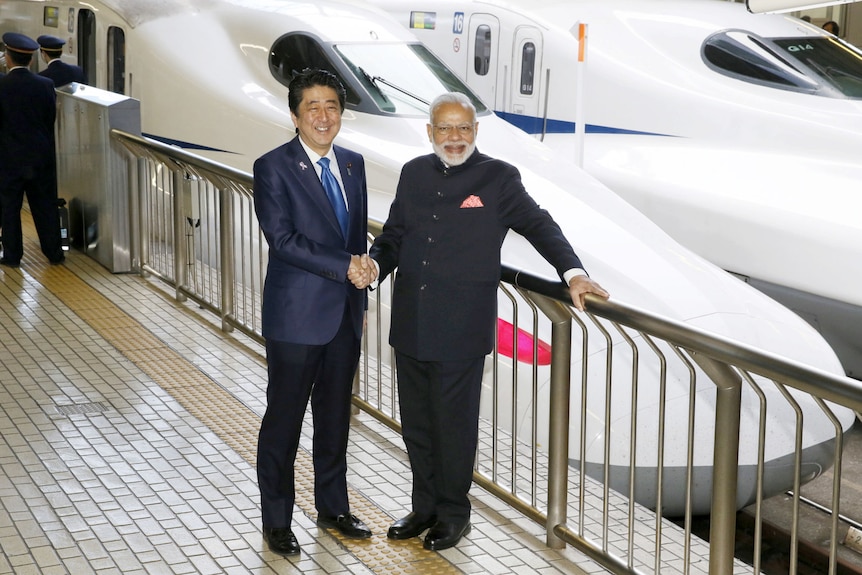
(220, 411)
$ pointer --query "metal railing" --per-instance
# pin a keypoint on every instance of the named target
(566, 437)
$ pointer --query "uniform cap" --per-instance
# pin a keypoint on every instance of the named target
(20, 43)
(48, 42)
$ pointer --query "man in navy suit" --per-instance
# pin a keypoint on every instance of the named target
(58, 71)
(28, 162)
(451, 212)
(312, 313)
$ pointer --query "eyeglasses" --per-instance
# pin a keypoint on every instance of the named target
(463, 129)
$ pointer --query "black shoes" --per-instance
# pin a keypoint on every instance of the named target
(410, 526)
(445, 534)
(281, 540)
(10, 263)
(442, 534)
(347, 524)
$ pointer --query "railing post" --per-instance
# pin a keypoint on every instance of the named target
(558, 417)
(227, 263)
(141, 232)
(180, 248)
(725, 471)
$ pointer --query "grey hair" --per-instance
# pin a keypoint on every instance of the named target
(451, 98)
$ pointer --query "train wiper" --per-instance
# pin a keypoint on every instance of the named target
(371, 82)
(834, 72)
(382, 80)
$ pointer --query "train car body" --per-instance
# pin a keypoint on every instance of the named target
(737, 133)
(212, 78)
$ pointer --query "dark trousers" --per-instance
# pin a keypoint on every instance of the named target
(40, 185)
(297, 372)
(440, 423)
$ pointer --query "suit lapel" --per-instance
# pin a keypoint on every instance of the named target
(300, 164)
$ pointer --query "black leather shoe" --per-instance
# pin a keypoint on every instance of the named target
(347, 524)
(10, 263)
(281, 540)
(411, 526)
(445, 534)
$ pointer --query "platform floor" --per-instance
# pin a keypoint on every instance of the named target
(128, 429)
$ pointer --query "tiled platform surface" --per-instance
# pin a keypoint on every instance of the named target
(128, 427)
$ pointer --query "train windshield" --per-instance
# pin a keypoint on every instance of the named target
(834, 62)
(815, 65)
(402, 78)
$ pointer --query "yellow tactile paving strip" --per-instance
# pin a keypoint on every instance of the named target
(221, 412)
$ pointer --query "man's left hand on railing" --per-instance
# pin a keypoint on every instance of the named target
(580, 286)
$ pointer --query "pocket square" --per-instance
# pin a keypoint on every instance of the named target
(472, 202)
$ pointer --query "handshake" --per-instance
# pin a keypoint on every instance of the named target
(362, 271)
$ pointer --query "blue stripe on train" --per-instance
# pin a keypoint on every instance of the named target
(533, 125)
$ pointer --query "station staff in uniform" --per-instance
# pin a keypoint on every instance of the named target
(28, 161)
(58, 71)
(451, 212)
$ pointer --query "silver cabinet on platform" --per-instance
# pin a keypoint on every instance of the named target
(92, 171)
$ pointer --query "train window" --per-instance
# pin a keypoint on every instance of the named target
(837, 64)
(528, 68)
(87, 43)
(796, 64)
(482, 49)
(449, 82)
(294, 53)
(116, 60)
(401, 78)
(739, 54)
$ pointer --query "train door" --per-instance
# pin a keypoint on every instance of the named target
(526, 77)
(483, 43)
(87, 44)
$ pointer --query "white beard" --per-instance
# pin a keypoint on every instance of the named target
(453, 159)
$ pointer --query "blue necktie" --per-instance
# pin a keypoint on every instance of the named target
(333, 192)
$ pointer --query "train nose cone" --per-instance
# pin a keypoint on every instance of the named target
(772, 328)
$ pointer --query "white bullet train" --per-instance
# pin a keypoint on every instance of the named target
(738, 133)
(211, 77)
